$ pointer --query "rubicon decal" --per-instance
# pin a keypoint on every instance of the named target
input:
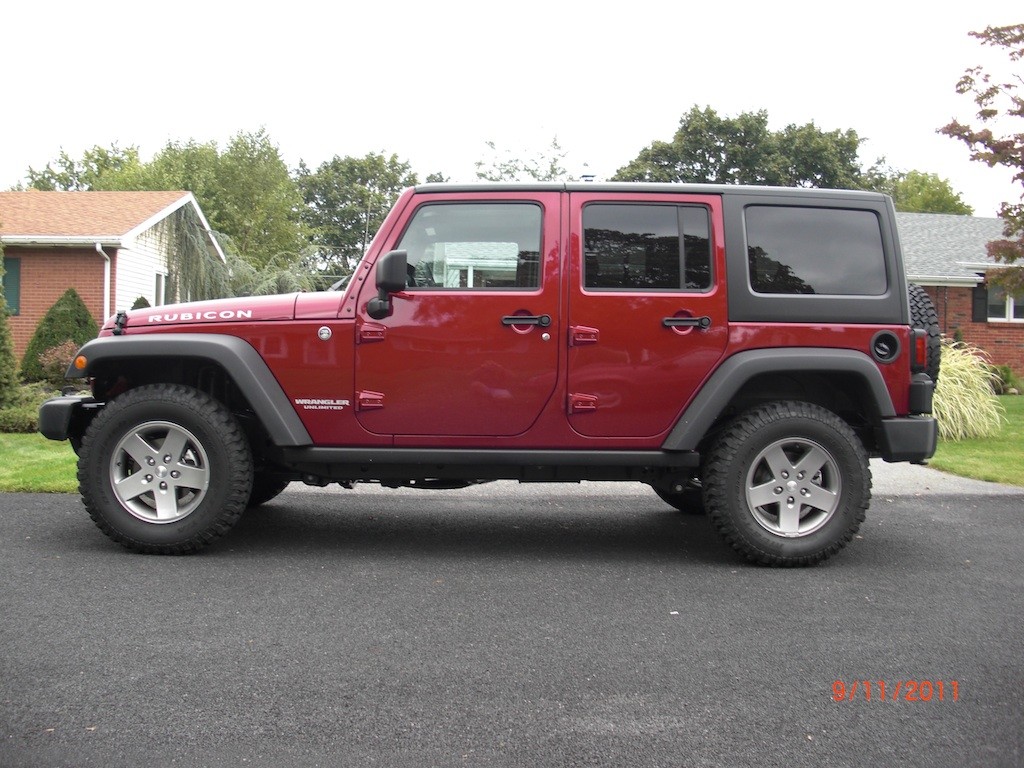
(320, 404)
(211, 314)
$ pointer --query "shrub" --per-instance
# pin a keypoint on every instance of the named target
(1004, 379)
(140, 303)
(67, 320)
(19, 419)
(22, 414)
(8, 362)
(54, 362)
(965, 404)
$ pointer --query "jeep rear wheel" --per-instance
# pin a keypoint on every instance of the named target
(787, 483)
(165, 469)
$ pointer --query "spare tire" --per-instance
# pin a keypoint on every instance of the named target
(923, 315)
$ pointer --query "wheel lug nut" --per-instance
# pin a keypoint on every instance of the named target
(151, 461)
(149, 478)
(785, 475)
(163, 486)
(167, 459)
(175, 474)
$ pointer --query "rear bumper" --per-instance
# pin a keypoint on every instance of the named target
(912, 439)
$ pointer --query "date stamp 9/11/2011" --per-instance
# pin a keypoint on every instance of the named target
(900, 690)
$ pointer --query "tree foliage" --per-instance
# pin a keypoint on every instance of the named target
(709, 148)
(504, 165)
(67, 320)
(998, 138)
(260, 203)
(346, 200)
(916, 191)
(100, 168)
(246, 191)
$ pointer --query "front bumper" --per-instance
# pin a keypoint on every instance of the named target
(62, 418)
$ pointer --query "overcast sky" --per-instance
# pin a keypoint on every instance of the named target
(432, 81)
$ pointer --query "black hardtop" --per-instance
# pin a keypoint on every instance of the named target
(796, 193)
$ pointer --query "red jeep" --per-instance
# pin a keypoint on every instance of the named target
(741, 350)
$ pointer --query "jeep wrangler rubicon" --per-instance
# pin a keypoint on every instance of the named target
(742, 350)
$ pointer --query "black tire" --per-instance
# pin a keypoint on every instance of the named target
(690, 500)
(923, 315)
(787, 484)
(199, 469)
(266, 487)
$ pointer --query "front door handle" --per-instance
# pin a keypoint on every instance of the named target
(693, 322)
(542, 320)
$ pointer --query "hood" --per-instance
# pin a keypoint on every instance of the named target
(245, 309)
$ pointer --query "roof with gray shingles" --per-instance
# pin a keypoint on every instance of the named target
(945, 249)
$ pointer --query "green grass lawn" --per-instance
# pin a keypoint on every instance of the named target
(31, 463)
(998, 459)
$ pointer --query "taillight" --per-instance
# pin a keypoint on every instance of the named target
(919, 344)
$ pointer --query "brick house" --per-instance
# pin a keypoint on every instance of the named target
(111, 247)
(946, 255)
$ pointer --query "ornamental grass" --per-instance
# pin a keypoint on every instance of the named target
(965, 403)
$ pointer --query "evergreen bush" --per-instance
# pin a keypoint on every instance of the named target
(67, 320)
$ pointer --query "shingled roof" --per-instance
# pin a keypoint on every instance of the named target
(944, 249)
(71, 218)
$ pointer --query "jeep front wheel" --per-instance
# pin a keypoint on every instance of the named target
(165, 469)
(787, 483)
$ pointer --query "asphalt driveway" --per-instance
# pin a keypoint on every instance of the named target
(508, 625)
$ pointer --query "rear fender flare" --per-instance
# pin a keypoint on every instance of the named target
(732, 375)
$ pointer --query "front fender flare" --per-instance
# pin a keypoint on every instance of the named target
(236, 356)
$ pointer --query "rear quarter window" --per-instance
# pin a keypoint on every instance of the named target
(823, 251)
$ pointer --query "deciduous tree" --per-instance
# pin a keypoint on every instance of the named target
(998, 138)
(99, 168)
(346, 200)
(505, 165)
(709, 148)
(916, 191)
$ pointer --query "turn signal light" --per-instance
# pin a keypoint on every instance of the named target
(80, 362)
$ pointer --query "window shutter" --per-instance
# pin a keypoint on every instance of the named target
(10, 283)
(979, 304)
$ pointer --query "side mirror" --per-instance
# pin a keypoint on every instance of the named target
(392, 269)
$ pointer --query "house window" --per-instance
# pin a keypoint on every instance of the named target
(11, 282)
(1005, 306)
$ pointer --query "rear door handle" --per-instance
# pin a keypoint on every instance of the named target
(694, 322)
(542, 320)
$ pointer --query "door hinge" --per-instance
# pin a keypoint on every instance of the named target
(580, 335)
(371, 332)
(369, 401)
(579, 403)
